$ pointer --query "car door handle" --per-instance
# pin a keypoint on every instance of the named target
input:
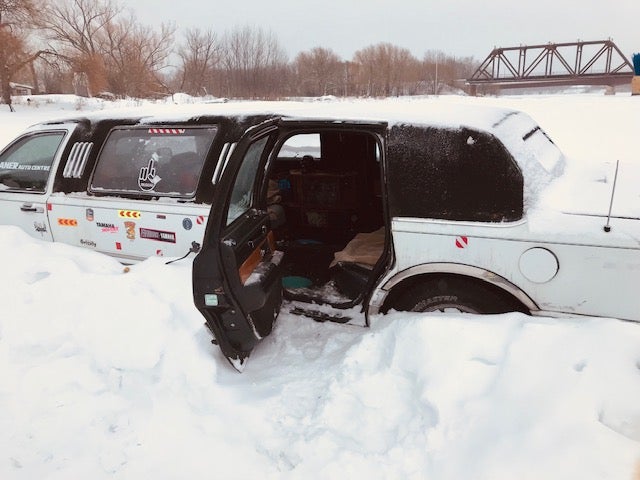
(27, 207)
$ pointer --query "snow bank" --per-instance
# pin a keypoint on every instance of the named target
(108, 374)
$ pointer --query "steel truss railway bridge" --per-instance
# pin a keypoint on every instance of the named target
(553, 64)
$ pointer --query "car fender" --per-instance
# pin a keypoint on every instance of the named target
(387, 285)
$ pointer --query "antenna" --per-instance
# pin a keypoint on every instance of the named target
(607, 227)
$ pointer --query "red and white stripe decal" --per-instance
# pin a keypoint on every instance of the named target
(167, 131)
(462, 242)
(200, 219)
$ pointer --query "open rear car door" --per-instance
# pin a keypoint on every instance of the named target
(236, 276)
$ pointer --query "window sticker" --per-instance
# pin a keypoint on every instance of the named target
(148, 178)
(18, 166)
(167, 131)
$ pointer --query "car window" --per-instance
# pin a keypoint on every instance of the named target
(300, 146)
(152, 161)
(242, 194)
(459, 174)
(26, 164)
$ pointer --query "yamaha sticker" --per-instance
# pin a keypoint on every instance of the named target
(158, 235)
(107, 227)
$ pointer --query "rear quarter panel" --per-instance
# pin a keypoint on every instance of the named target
(598, 273)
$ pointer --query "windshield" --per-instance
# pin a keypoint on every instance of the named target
(154, 161)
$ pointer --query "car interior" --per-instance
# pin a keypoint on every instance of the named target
(325, 203)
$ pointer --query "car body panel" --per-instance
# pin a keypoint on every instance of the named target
(130, 230)
(587, 266)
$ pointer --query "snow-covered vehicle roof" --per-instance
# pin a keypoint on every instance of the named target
(534, 152)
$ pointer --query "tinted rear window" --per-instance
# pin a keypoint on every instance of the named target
(154, 161)
(452, 175)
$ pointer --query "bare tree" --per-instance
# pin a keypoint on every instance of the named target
(385, 69)
(254, 63)
(119, 54)
(200, 54)
(15, 18)
(319, 71)
(134, 55)
(439, 69)
(112, 52)
(55, 73)
(77, 30)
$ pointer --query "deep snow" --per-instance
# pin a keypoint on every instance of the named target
(110, 374)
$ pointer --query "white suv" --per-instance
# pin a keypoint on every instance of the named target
(459, 208)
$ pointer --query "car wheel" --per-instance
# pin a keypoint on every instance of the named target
(455, 294)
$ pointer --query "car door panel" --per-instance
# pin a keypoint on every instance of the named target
(237, 281)
(130, 230)
(249, 249)
(27, 169)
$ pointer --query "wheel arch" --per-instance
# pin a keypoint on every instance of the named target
(431, 271)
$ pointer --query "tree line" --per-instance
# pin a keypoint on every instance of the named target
(96, 47)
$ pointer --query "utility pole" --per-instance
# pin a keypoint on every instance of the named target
(435, 85)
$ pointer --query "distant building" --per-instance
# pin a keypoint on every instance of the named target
(20, 89)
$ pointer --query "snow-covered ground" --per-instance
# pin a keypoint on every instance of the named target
(106, 373)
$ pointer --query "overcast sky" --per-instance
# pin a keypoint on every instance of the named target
(456, 27)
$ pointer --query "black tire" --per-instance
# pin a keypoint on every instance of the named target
(456, 294)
